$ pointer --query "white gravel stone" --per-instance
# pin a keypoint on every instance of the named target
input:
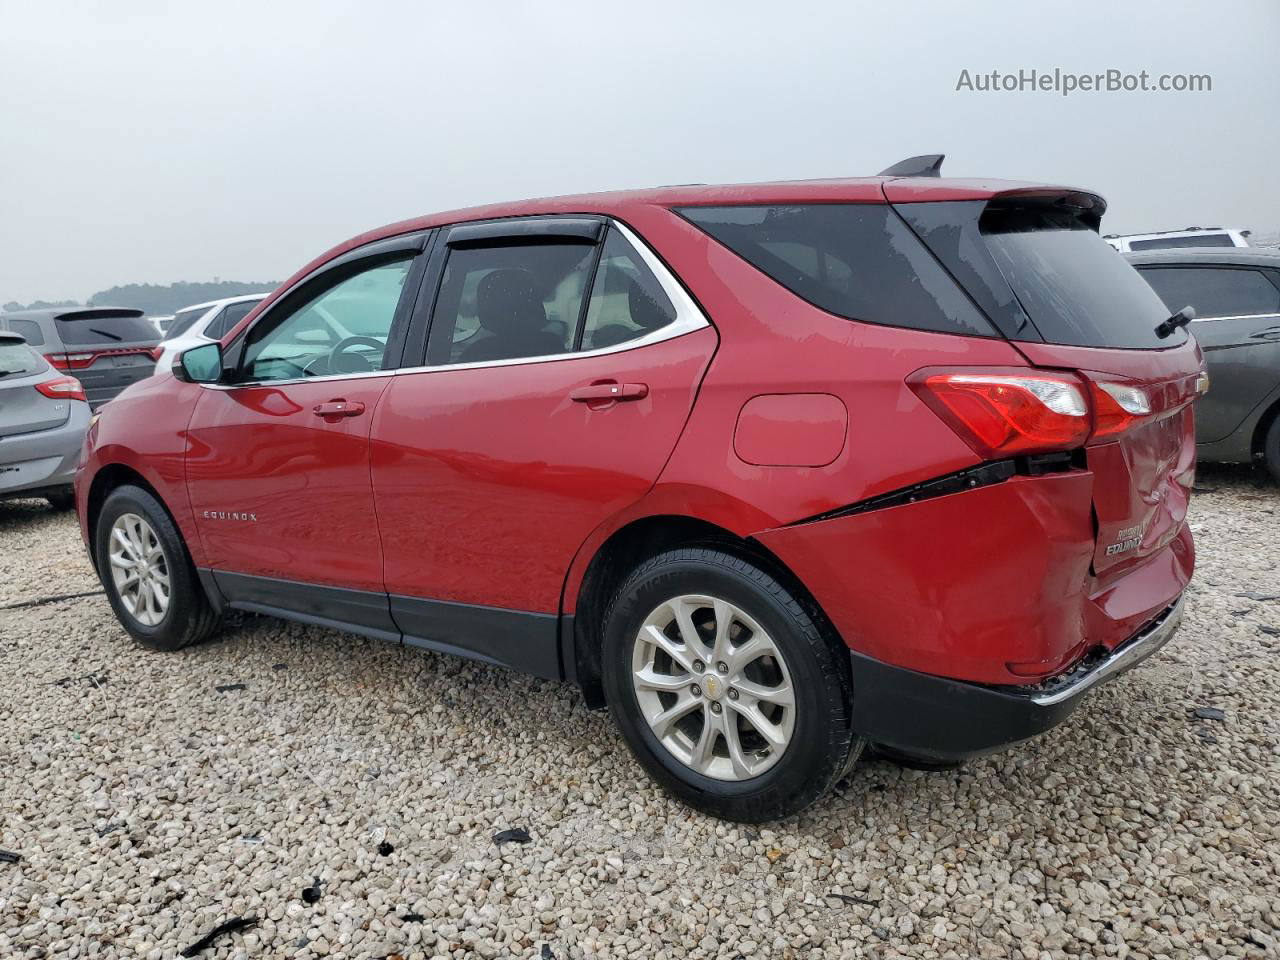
(148, 808)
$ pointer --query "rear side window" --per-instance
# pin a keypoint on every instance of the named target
(18, 359)
(509, 302)
(104, 331)
(29, 329)
(858, 261)
(1071, 283)
(627, 302)
(1214, 292)
(183, 320)
(229, 317)
(1168, 243)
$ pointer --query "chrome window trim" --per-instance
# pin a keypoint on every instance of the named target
(689, 318)
(1239, 316)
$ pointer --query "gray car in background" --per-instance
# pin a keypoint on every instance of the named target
(43, 419)
(105, 348)
(1236, 296)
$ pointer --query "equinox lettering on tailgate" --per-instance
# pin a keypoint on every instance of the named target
(1130, 537)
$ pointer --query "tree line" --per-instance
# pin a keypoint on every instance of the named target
(156, 299)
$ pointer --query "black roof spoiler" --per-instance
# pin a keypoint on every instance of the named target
(925, 165)
(98, 313)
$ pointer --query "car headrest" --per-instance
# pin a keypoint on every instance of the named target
(507, 302)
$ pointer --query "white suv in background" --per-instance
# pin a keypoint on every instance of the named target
(1190, 237)
(202, 323)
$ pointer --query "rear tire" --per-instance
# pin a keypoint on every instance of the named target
(148, 575)
(1271, 449)
(759, 735)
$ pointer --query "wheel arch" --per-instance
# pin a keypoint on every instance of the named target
(112, 476)
(625, 548)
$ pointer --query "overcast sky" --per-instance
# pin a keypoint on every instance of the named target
(160, 141)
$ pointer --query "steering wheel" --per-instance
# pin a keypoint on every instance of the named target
(342, 362)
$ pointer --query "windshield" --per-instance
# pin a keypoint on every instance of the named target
(1072, 285)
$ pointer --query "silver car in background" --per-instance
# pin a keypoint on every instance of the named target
(105, 348)
(43, 419)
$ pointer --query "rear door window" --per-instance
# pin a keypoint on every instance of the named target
(1214, 291)
(105, 330)
(509, 302)
(858, 261)
(230, 316)
(183, 320)
(1071, 283)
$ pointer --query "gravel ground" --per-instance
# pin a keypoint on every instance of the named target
(149, 807)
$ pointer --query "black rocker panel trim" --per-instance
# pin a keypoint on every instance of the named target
(359, 611)
(523, 641)
(527, 642)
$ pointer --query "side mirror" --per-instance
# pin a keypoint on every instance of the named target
(202, 364)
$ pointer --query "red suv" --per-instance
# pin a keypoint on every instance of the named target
(775, 471)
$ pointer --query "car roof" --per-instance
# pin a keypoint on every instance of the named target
(222, 302)
(10, 336)
(1250, 256)
(73, 313)
(620, 203)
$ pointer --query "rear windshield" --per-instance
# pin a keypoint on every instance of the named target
(1168, 243)
(1073, 286)
(858, 261)
(106, 330)
(18, 359)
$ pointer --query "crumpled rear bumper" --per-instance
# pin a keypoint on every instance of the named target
(937, 718)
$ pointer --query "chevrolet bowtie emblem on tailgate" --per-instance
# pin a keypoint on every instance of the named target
(229, 515)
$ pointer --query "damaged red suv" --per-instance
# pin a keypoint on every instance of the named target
(774, 471)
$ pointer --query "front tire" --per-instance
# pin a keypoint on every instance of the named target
(725, 687)
(149, 578)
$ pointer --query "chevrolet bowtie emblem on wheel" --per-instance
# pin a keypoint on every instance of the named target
(229, 515)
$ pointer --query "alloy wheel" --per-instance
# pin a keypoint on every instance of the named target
(139, 569)
(713, 687)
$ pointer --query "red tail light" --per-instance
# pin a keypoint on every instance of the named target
(71, 361)
(1002, 413)
(155, 353)
(63, 388)
(1117, 406)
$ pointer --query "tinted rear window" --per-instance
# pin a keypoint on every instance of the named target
(29, 329)
(1214, 291)
(228, 319)
(1071, 283)
(858, 261)
(17, 359)
(1168, 243)
(183, 320)
(104, 331)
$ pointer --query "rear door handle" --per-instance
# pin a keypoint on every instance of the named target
(609, 391)
(338, 408)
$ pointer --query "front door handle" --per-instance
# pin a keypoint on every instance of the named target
(609, 391)
(338, 408)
